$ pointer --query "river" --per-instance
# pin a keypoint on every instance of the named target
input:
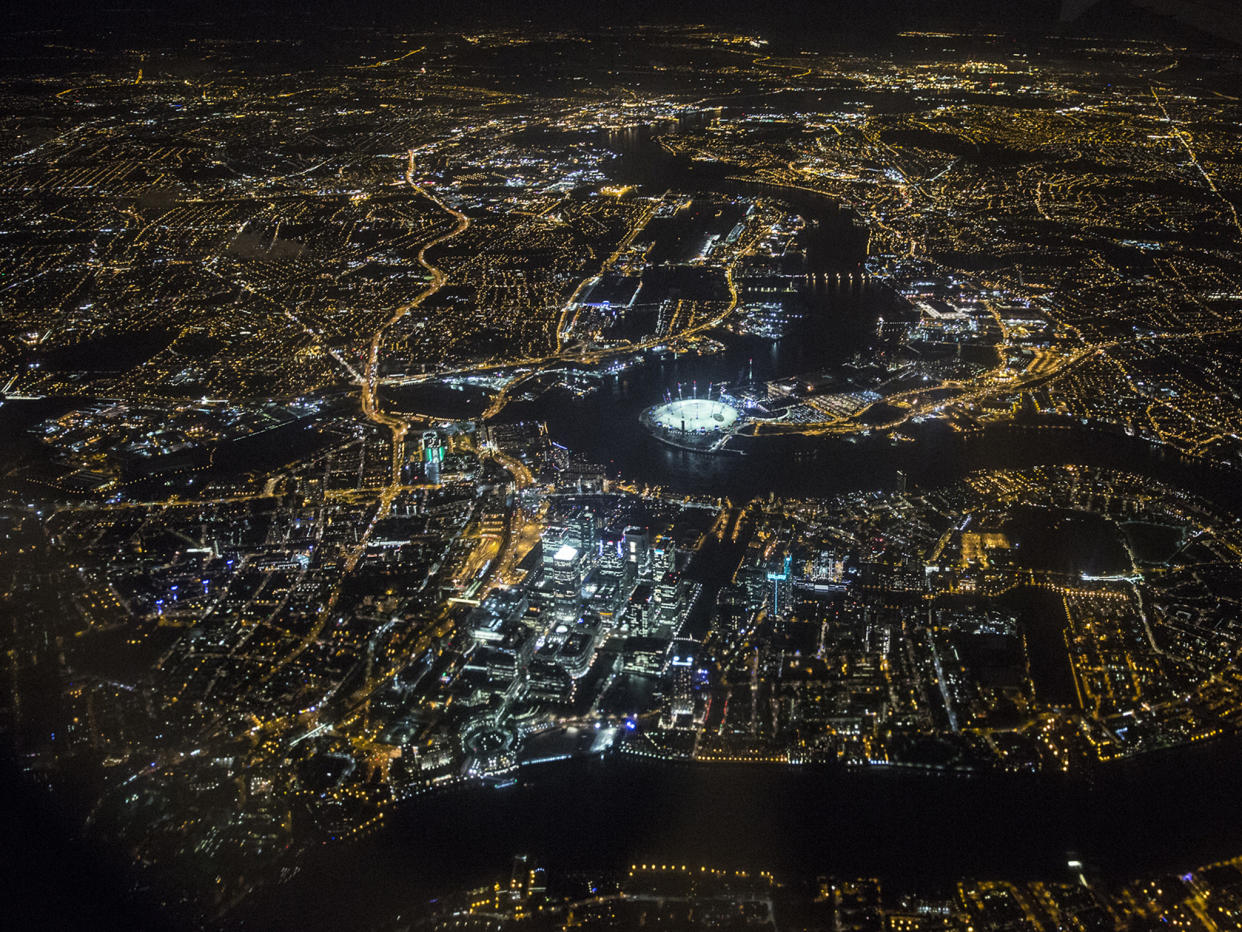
(918, 832)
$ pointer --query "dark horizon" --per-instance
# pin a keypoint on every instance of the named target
(812, 21)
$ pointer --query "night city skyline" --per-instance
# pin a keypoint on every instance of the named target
(741, 468)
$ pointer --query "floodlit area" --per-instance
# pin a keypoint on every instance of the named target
(694, 415)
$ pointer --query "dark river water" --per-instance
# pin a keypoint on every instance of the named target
(605, 427)
(916, 829)
(918, 832)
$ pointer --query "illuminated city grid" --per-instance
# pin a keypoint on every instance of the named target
(301, 533)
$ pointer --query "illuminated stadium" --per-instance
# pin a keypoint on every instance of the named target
(693, 423)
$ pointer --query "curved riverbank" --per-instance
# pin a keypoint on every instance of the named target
(916, 831)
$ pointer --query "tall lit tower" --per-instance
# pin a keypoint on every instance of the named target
(567, 583)
(779, 580)
(637, 544)
(585, 532)
(432, 453)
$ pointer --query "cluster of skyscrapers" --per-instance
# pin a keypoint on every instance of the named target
(626, 582)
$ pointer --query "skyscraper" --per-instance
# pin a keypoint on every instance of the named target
(780, 581)
(567, 583)
(637, 544)
(585, 531)
(432, 456)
